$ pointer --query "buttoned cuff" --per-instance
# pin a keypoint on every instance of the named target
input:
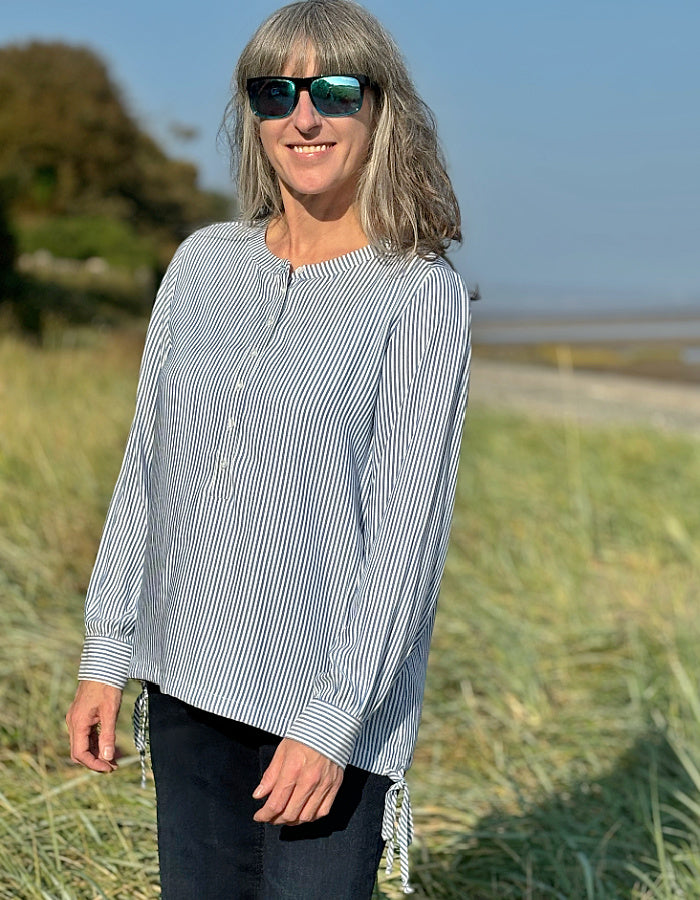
(105, 660)
(327, 729)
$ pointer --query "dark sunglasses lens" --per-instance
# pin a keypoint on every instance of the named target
(272, 98)
(337, 95)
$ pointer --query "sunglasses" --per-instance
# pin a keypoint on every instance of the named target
(332, 95)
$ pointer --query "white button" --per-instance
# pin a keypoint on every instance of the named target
(253, 354)
(229, 425)
(223, 464)
(239, 385)
(270, 322)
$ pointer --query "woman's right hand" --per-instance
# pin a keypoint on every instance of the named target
(92, 722)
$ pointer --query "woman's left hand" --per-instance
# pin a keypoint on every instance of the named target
(300, 785)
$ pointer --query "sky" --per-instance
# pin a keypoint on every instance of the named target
(572, 130)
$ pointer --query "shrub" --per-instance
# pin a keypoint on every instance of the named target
(73, 237)
(8, 249)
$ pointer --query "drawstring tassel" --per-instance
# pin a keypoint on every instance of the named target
(140, 722)
(397, 830)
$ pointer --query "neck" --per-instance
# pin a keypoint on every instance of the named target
(314, 229)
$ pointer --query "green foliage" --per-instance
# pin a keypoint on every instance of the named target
(86, 181)
(42, 310)
(8, 250)
(59, 292)
(71, 146)
(559, 752)
(74, 237)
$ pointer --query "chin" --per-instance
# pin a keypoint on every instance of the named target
(314, 187)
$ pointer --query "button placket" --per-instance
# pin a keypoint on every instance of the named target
(276, 304)
(224, 467)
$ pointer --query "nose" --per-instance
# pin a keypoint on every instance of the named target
(305, 116)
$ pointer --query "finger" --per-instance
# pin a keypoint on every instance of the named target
(91, 722)
(80, 733)
(275, 805)
(319, 803)
(305, 803)
(300, 797)
(296, 774)
(270, 775)
(309, 812)
(328, 800)
(84, 750)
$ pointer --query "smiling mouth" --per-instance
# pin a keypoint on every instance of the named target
(310, 148)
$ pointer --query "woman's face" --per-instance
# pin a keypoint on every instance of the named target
(318, 156)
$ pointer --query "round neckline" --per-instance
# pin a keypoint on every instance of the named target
(268, 260)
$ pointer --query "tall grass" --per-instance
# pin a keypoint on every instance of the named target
(559, 754)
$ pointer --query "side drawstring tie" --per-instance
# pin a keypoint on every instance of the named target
(140, 723)
(397, 830)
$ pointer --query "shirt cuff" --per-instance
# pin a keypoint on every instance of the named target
(328, 729)
(105, 660)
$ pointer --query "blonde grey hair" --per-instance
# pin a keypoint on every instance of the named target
(405, 201)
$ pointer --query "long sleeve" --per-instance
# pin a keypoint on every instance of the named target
(113, 592)
(275, 542)
(408, 496)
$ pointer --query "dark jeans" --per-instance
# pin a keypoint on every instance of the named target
(206, 768)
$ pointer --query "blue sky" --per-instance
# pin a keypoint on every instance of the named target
(572, 129)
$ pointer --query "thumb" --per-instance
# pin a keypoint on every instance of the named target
(107, 739)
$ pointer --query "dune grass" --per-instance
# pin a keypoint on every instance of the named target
(559, 754)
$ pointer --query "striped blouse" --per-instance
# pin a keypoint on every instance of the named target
(274, 545)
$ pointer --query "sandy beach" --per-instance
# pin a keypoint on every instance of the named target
(586, 396)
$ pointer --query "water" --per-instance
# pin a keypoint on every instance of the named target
(600, 330)
(691, 356)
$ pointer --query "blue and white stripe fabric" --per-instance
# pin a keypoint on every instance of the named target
(274, 545)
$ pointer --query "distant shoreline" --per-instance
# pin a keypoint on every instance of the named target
(588, 329)
(660, 347)
(568, 395)
(486, 315)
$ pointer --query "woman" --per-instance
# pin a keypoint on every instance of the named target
(270, 563)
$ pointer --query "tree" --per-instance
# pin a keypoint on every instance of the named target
(8, 250)
(72, 147)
